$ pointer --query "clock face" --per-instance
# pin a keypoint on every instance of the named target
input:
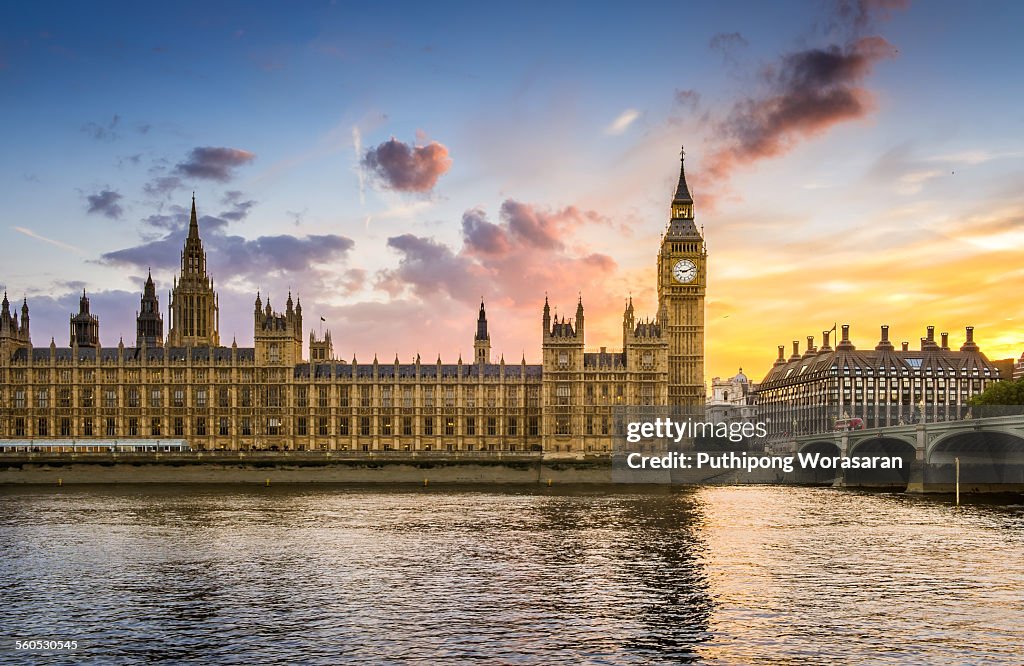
(684, 271)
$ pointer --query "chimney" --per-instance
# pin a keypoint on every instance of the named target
(928, 342)
(970, 345)
(810, 347)
(884, 344)
(825, 347)
(945, 341)
(906, 346)
(782, 356)
(845, 344)
(796, 351)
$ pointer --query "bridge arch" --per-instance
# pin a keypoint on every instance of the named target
(987, 456)
(895, 478)
(827, 448)
(986, 443)
(856, 442)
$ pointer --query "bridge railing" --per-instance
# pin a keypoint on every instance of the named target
(822, 420)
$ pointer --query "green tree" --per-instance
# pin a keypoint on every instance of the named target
(1001, 393)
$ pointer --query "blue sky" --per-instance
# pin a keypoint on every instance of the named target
(920, 184)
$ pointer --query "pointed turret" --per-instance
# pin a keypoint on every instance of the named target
(193, 257)
(194, 308)
(149, 323)
(25, 333)
(6, 321)
(193, 222)
(682, 195)
(12, 333)
(682, 226)
(547, 317)
(321, 349)
(481, 324)
(579, 317)
(277, 337)
(628, 321)
(85, 328)
(482, 339)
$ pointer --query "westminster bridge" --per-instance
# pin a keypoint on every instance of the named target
(990, 450)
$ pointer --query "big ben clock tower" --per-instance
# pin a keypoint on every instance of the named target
(682, 279)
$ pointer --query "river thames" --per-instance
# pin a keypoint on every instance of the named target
(612, 575)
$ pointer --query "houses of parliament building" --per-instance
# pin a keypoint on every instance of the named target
(190, 388)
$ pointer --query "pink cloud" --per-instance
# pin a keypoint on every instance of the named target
(406, 168)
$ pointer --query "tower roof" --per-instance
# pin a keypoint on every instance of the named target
(481, 324)
(682, 190)
(193, 222)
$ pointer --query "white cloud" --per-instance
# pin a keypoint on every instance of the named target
(55, 243)
(973, 156)
(622, 123)
(911, 183)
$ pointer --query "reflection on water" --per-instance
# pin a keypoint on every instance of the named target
(325, 575)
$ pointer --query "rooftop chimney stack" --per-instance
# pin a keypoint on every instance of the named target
(970, 345)
(884, 344)
(844, 343)
(782, 355)
(945, 341)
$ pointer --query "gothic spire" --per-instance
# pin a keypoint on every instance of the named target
(193, 223)
(682, 191)
(481, 324)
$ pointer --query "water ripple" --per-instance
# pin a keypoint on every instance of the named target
(326, 575)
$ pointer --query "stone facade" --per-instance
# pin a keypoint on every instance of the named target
(270, 396)
(732, 399)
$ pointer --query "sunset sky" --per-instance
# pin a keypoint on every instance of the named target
(857, 163)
